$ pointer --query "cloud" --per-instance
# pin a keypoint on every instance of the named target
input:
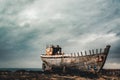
(26, 26)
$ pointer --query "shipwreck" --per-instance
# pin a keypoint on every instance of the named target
(56, 59)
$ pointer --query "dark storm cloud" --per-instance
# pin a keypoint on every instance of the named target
(26, 26)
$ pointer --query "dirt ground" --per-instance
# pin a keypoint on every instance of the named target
(33, 75)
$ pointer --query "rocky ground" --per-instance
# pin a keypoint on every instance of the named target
(39, 75)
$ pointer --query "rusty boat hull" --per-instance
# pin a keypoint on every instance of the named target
(93, 62)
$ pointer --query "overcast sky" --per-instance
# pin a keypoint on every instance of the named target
(26, 26)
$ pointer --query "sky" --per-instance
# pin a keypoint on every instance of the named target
(27, 26)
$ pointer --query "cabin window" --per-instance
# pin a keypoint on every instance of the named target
(102, 57)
